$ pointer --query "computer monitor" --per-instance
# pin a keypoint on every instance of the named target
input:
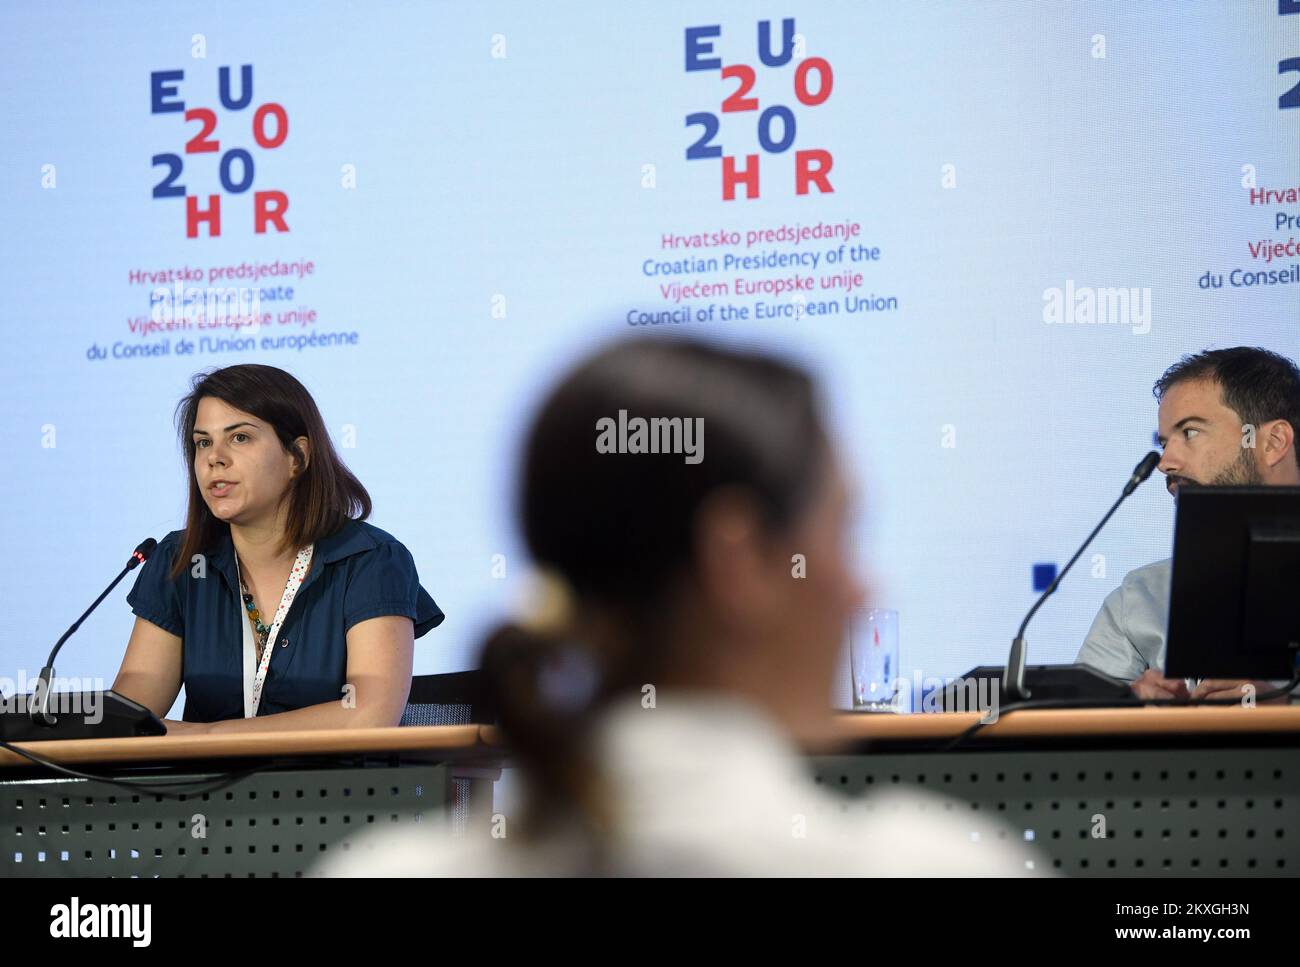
(1234, 600)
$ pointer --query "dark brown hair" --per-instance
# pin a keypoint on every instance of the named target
(1256, 384)
(621, 529)
(321, 499)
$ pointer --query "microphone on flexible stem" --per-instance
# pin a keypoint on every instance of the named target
(40, 708)
(1013, 681)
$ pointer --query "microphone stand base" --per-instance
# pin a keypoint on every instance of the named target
(1075, 683)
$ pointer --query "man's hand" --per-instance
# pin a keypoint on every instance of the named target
(1153, 685)
(1236, 689)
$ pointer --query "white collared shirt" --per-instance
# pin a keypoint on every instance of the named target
(1128, 635)
(707, 785)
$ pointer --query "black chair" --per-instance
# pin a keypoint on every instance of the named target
(458, 698)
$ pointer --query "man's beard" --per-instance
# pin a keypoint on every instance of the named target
(1242, 472)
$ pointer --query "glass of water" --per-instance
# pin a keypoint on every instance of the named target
(873, 656)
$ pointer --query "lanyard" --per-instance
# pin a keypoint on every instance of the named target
(253, 697)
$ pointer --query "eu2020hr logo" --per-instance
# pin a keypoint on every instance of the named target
(236, 169)
(777, 126)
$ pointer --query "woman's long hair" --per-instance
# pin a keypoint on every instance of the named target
(618, 529)
(321, 499)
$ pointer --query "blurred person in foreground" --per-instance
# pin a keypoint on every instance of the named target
(659, 695)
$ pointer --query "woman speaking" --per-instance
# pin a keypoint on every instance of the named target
(276, 607)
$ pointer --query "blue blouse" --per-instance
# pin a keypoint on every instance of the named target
(359, 572)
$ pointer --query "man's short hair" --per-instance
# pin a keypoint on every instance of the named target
(1257, 384)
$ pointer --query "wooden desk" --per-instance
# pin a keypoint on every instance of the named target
(1172, 791)
(468, 742)
(297, 794)
(1099, 725)
(441, 742)
(1212, 791)
(1133, 792)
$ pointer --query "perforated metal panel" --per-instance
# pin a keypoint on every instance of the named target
(275, 823)
(437, 713)
(1187, 812)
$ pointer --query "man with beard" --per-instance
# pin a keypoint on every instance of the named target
(1228, 417)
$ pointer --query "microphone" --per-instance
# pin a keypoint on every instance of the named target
(40, 710)
(1141, 472)
(1013, 681)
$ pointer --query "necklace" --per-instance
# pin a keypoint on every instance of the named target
(263, 630)
(254, 615)
(254, 684)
